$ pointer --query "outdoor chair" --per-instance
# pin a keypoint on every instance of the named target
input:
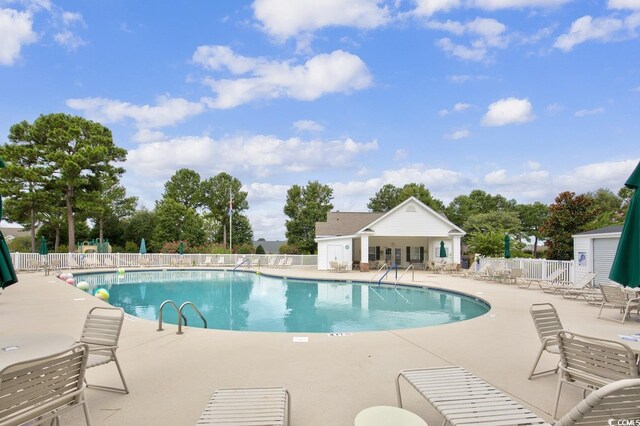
(513, 275)
(547, 322)
(247, 406)
(590, 363)
(581, 288)
(542, 282)
(464, 399)
(614, 296)
(554, 283)
(101, 333)
(614, 404)
(38, 391)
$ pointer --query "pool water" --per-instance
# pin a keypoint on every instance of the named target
(248, 301)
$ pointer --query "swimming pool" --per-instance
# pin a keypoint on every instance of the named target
(247, 301)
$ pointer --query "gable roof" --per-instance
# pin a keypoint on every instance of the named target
(345, 223)
(454, 228)
(351, 223)
(606, 230)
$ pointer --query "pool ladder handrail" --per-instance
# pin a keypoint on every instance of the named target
(180, 314)
(413, 274)
(245, 260)
(384, 266)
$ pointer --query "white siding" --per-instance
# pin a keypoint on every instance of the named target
(582, 245)
(412, 220)
(338, 249)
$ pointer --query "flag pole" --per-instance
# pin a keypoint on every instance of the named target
(230, 221)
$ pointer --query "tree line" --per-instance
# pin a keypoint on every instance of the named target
(63, 179)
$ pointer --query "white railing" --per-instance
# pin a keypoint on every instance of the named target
(535, 269)
(34, 261)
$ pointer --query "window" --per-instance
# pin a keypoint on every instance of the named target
(415, 254)
(374, 253)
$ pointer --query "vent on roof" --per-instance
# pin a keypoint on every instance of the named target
(411, 208)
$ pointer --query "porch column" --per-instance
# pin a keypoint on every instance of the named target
(456, 249)
(364, 253)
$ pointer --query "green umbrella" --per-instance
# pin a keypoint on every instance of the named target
(7, 273)
(143, 247)
(626, 265)
(507, 247)
(443, 251)
(43, 247)
(181, 248)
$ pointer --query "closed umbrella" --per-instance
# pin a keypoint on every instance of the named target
(143, 247)
(43, 247)
(181, 248)
(626, 265)
(7, 273)
(443, 250)
(507, 247)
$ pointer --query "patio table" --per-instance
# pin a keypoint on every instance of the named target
(23, 347)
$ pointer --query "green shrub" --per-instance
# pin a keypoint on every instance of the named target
(260, 249)
(245, 249)
(131, 247)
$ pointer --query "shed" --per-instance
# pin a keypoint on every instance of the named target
(594, 251)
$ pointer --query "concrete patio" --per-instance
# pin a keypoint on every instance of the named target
(330, 378)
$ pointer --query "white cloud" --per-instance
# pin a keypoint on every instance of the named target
(610, 175)
(603, 29)
(69, 40)
(487, 34)
(167, 111)
(308, 126)
(336, 72)
(258, 155)
(624, 4)
(587, 112)
(458, 134)
(429, 7)
(16, 31)
(400, 154)
(532, 165)
(458, 107)
(283, 19)
(514, 4)
(554, 107)
(464, 78)
(508, 111)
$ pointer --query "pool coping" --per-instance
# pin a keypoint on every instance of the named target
(499, 347)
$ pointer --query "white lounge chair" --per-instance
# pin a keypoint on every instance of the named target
(464, 399)
(247, 406)
(37, 391)
(614, 296)
(581, 288)
(543, 282)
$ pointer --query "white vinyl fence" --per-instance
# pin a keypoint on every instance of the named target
(34, 261)
(535, 269)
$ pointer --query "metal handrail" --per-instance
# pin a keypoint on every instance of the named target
(179, 311)
(384, 266)
(185, 304)
(245, 260)
(413, 274)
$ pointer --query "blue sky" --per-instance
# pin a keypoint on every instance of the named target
(525, 98)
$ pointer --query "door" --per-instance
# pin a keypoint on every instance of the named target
(388, 256)
(604, 250)
(397, 257)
